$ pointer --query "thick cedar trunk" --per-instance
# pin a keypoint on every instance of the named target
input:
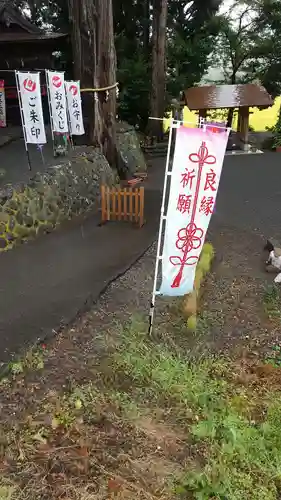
(158, 90)
(107, 75)
(146, 27)
(94, 64)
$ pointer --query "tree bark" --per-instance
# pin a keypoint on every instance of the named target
(95, 66)
(231, 110)
(146, 27)
(158, 90)
(106, 55)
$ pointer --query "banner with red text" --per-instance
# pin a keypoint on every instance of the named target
(74, 106)
(3, 122)
(29, 91)
(195, 177)
(57, 101)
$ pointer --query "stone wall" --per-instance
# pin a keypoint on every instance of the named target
(64, 191)
(129, 147)
(51, 197)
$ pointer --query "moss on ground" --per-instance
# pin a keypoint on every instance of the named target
(129, 147)
(190, 301)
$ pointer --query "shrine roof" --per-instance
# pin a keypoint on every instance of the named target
(10, 14)
(227, 96)
(16, 27)
(29, 37)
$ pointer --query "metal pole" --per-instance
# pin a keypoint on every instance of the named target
(162, 218)
(68, 118)
(50, 110)
(22, 119)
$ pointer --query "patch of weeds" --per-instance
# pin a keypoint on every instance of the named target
(243, 457)
(275, 358)
(68, 407)
(126, 404)
(272, 302)
(207, 320)
(235, 456)
(7, 491)
(160, 372)
(33, 360)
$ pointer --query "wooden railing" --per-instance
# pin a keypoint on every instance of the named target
(122, 204)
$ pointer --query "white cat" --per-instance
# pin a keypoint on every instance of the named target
(274, 260)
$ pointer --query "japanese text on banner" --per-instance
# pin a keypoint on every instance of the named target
(32, 113)
(195, 178)
(73, 96)
(55, 82)
(3, 122)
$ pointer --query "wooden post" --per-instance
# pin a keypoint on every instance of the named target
(103, 204)
(202, 114)
(125, 203)
(114, 204)
(244, 133)
(131, 204)
(239, 123)
(141, 218)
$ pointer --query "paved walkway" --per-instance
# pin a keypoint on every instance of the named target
(250, 193)
(47, 281)
(13, 157)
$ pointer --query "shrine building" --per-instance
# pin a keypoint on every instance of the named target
(238, 98)
(24, 47)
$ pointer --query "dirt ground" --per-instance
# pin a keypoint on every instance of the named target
(63, 442)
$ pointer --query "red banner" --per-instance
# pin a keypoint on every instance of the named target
(11, 92)
(3, 122)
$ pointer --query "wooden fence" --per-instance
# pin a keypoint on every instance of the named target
(122, 204)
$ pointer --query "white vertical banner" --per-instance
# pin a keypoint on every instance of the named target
(3, 122)
(29, 91)
(74, 107)
(57, 101)
(195, 176)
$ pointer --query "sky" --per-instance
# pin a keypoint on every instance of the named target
(226, 5)
(216, 73)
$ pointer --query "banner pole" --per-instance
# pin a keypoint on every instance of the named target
(22, 120)
(50, 110)
(162, 218)
(68, 119)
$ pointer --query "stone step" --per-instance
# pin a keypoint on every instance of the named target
(157, 154)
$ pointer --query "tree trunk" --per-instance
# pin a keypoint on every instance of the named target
(158, 90)
(231, 110)
(146, 27)
(107, 75)
(95, 66)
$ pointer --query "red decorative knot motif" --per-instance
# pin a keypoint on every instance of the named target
(190, 237)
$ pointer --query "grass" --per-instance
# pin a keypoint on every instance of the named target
(272, 302)
(238, 451)
(149, 423)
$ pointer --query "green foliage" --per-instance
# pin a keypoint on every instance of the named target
(191, 41)
(235, 432)
(190, 37)
(277, 132)
(133, 104)
(272, 301)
